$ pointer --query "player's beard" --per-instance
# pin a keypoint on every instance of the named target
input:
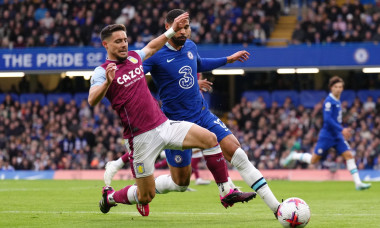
(179, 41)
(121, 59)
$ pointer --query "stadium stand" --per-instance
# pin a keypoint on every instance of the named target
(326, 22)
(78, 23)
(71, 135)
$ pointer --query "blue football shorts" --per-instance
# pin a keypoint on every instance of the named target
(324, 144)
(208, 120)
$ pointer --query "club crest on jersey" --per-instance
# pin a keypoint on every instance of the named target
(140, 168)
(178, 159)
(190, 55)
(132, 59)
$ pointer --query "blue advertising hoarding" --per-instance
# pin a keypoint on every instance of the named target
(76, 58)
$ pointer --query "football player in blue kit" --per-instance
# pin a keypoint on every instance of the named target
(174, 71)
(332, 134)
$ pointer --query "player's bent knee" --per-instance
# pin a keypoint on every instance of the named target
(210, 140)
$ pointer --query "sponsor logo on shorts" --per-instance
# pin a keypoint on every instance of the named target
(174, 122)
(140, 168)
(178, 159)
(319, 151)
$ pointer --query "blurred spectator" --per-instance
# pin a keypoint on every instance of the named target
(334, 23)
(76, 23)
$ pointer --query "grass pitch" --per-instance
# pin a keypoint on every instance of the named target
(52, 203)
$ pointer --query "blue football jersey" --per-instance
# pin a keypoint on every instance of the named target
(174, 72)
(332, 118)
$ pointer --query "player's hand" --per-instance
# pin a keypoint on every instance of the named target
(205, 85)
(110, 72)
(346, 132)
(180, 21)
(240, 56)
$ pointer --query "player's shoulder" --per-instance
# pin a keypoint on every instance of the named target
(190, 44)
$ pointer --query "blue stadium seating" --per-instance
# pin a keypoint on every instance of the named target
(309, 98)
(2, 97)
(105, 101)
(349, 96)
(280, 95)
(79, 97)
(363, 94)
(13, 96)
(25, 97)
(55, 96)
(253, 95)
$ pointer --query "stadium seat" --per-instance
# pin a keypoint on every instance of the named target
(363, 94)
(348, 96)
(2, 97)
(79, 97)
(309, 98)
(106, 102)
(280, 95)
(25, 97)
(253, 95)
(13, 95)
(55, 96)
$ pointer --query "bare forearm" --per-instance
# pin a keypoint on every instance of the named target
(154, 45)
(97, 93)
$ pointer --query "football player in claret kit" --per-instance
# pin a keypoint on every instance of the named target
(174, 70)
(332, 134)
(146, 129)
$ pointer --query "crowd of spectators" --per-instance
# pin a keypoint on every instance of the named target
(269, 134)
(74, 136)
(37, 23)
(326, 22)
(58, 136)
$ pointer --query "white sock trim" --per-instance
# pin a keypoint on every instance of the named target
(212, 151)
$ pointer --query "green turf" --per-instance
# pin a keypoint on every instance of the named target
(47, 203)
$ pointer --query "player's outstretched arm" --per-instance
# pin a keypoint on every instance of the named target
(240, 56)
(97, 92)
(156, 44)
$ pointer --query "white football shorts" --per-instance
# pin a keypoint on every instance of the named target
(145, 148)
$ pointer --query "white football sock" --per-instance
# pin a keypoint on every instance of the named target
(132, 195)
(165, 184)
(119, 163)
(254, 178)
(351, 166)
(224, 188)
(303, 157)
(232, 185)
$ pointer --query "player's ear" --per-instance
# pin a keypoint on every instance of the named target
(167, 26)
(104, 43)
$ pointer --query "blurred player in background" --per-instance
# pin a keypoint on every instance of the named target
(173, 70)
(146, 129)
(332, 135)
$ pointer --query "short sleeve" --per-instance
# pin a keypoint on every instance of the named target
(141, 53)
(98, 77)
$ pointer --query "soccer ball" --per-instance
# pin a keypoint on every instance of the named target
(293, 212)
